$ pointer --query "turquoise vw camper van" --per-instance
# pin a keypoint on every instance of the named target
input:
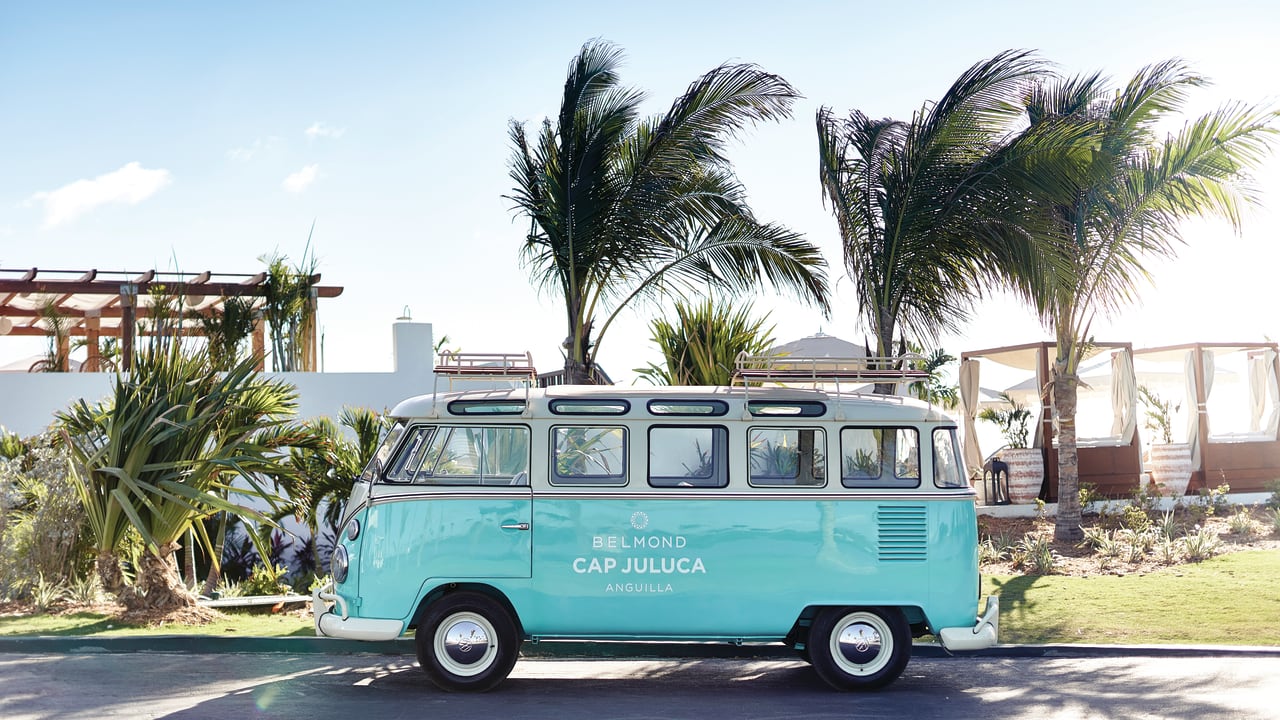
(838, 522)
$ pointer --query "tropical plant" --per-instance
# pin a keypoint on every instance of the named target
(1200, 543)
(11, 445)
(1012, 420)
(226, 329)
(1159, 414)
(623, 208)
(161, 453)
(702, 345)
(862, 464)
(164, 323)
(266, 579)
(324, 468)
(107, 351)
(934, 390)
(584, 451)
(289, 309)
(1126, 207)
(58, 356)
(923, 206)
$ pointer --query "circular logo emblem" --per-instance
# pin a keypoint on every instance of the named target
(639, 520)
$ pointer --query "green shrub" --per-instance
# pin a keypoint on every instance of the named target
(85, 590)
(45, 594)
(1035, 555)
(1089, 494)
(1212, 502)
(1241, 523)
(229, 588)
(1167, 525)
(266, 579)
(42, 525)
(1200, 544)
(1135, 518)
(1168, 551)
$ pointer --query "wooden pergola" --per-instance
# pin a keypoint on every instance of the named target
(94, 304)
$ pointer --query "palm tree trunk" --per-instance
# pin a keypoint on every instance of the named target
(158, 583)
(577, 373)
(108, 567)
(1067, 526)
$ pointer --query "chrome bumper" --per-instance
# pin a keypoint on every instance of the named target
(982, 635)
(331, 624)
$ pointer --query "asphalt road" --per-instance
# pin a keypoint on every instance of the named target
(369, 687)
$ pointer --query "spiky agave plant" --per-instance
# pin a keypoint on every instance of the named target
(701, 346)
(162, 451)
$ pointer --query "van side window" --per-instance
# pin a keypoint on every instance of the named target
(407, 461)
(467, 455)
(588, 455)
(948, 471)
(688, 456)
(879, 457)
(783, 457)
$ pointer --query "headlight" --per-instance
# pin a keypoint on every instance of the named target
(353, 529)
(338, 564)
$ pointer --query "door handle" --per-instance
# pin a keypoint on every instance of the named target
(516, 526)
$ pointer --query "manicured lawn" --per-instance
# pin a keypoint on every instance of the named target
(1232, 599)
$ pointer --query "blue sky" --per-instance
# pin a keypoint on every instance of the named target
(203, 136)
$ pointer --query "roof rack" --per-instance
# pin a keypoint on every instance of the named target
(792, 369)
(486, 367)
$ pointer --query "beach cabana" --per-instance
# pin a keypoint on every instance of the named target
(1110, 454)
(1227, 398)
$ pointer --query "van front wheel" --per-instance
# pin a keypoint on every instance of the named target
(467, 642)
(859, 648)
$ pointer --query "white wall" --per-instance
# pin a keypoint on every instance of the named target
(28, 401)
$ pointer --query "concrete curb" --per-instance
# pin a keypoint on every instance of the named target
(202, 644)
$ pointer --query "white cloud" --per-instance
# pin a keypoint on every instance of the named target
(300, 180)
(129, 185)
(319, 130)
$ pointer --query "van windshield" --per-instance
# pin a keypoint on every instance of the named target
(379, 460)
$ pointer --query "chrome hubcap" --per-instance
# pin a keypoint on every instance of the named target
(860, 643)
(466, 642)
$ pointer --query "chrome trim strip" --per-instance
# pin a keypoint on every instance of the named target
(681, 494)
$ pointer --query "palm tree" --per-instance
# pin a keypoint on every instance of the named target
(924, 206)
(701, 347)
(160, 454)
(1125, 206)
(324, 471)
(934, 390)
(622, 208)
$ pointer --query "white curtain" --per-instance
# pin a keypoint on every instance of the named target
(1124, 397)
(969, 402)
(1258, 369)
(1272, 427)
(1198, 409)
(1193, 416)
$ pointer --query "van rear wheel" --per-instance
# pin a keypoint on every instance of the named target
(467, 642)
(859, 648)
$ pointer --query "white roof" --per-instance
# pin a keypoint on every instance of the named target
(820, 345)
(855, 406)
